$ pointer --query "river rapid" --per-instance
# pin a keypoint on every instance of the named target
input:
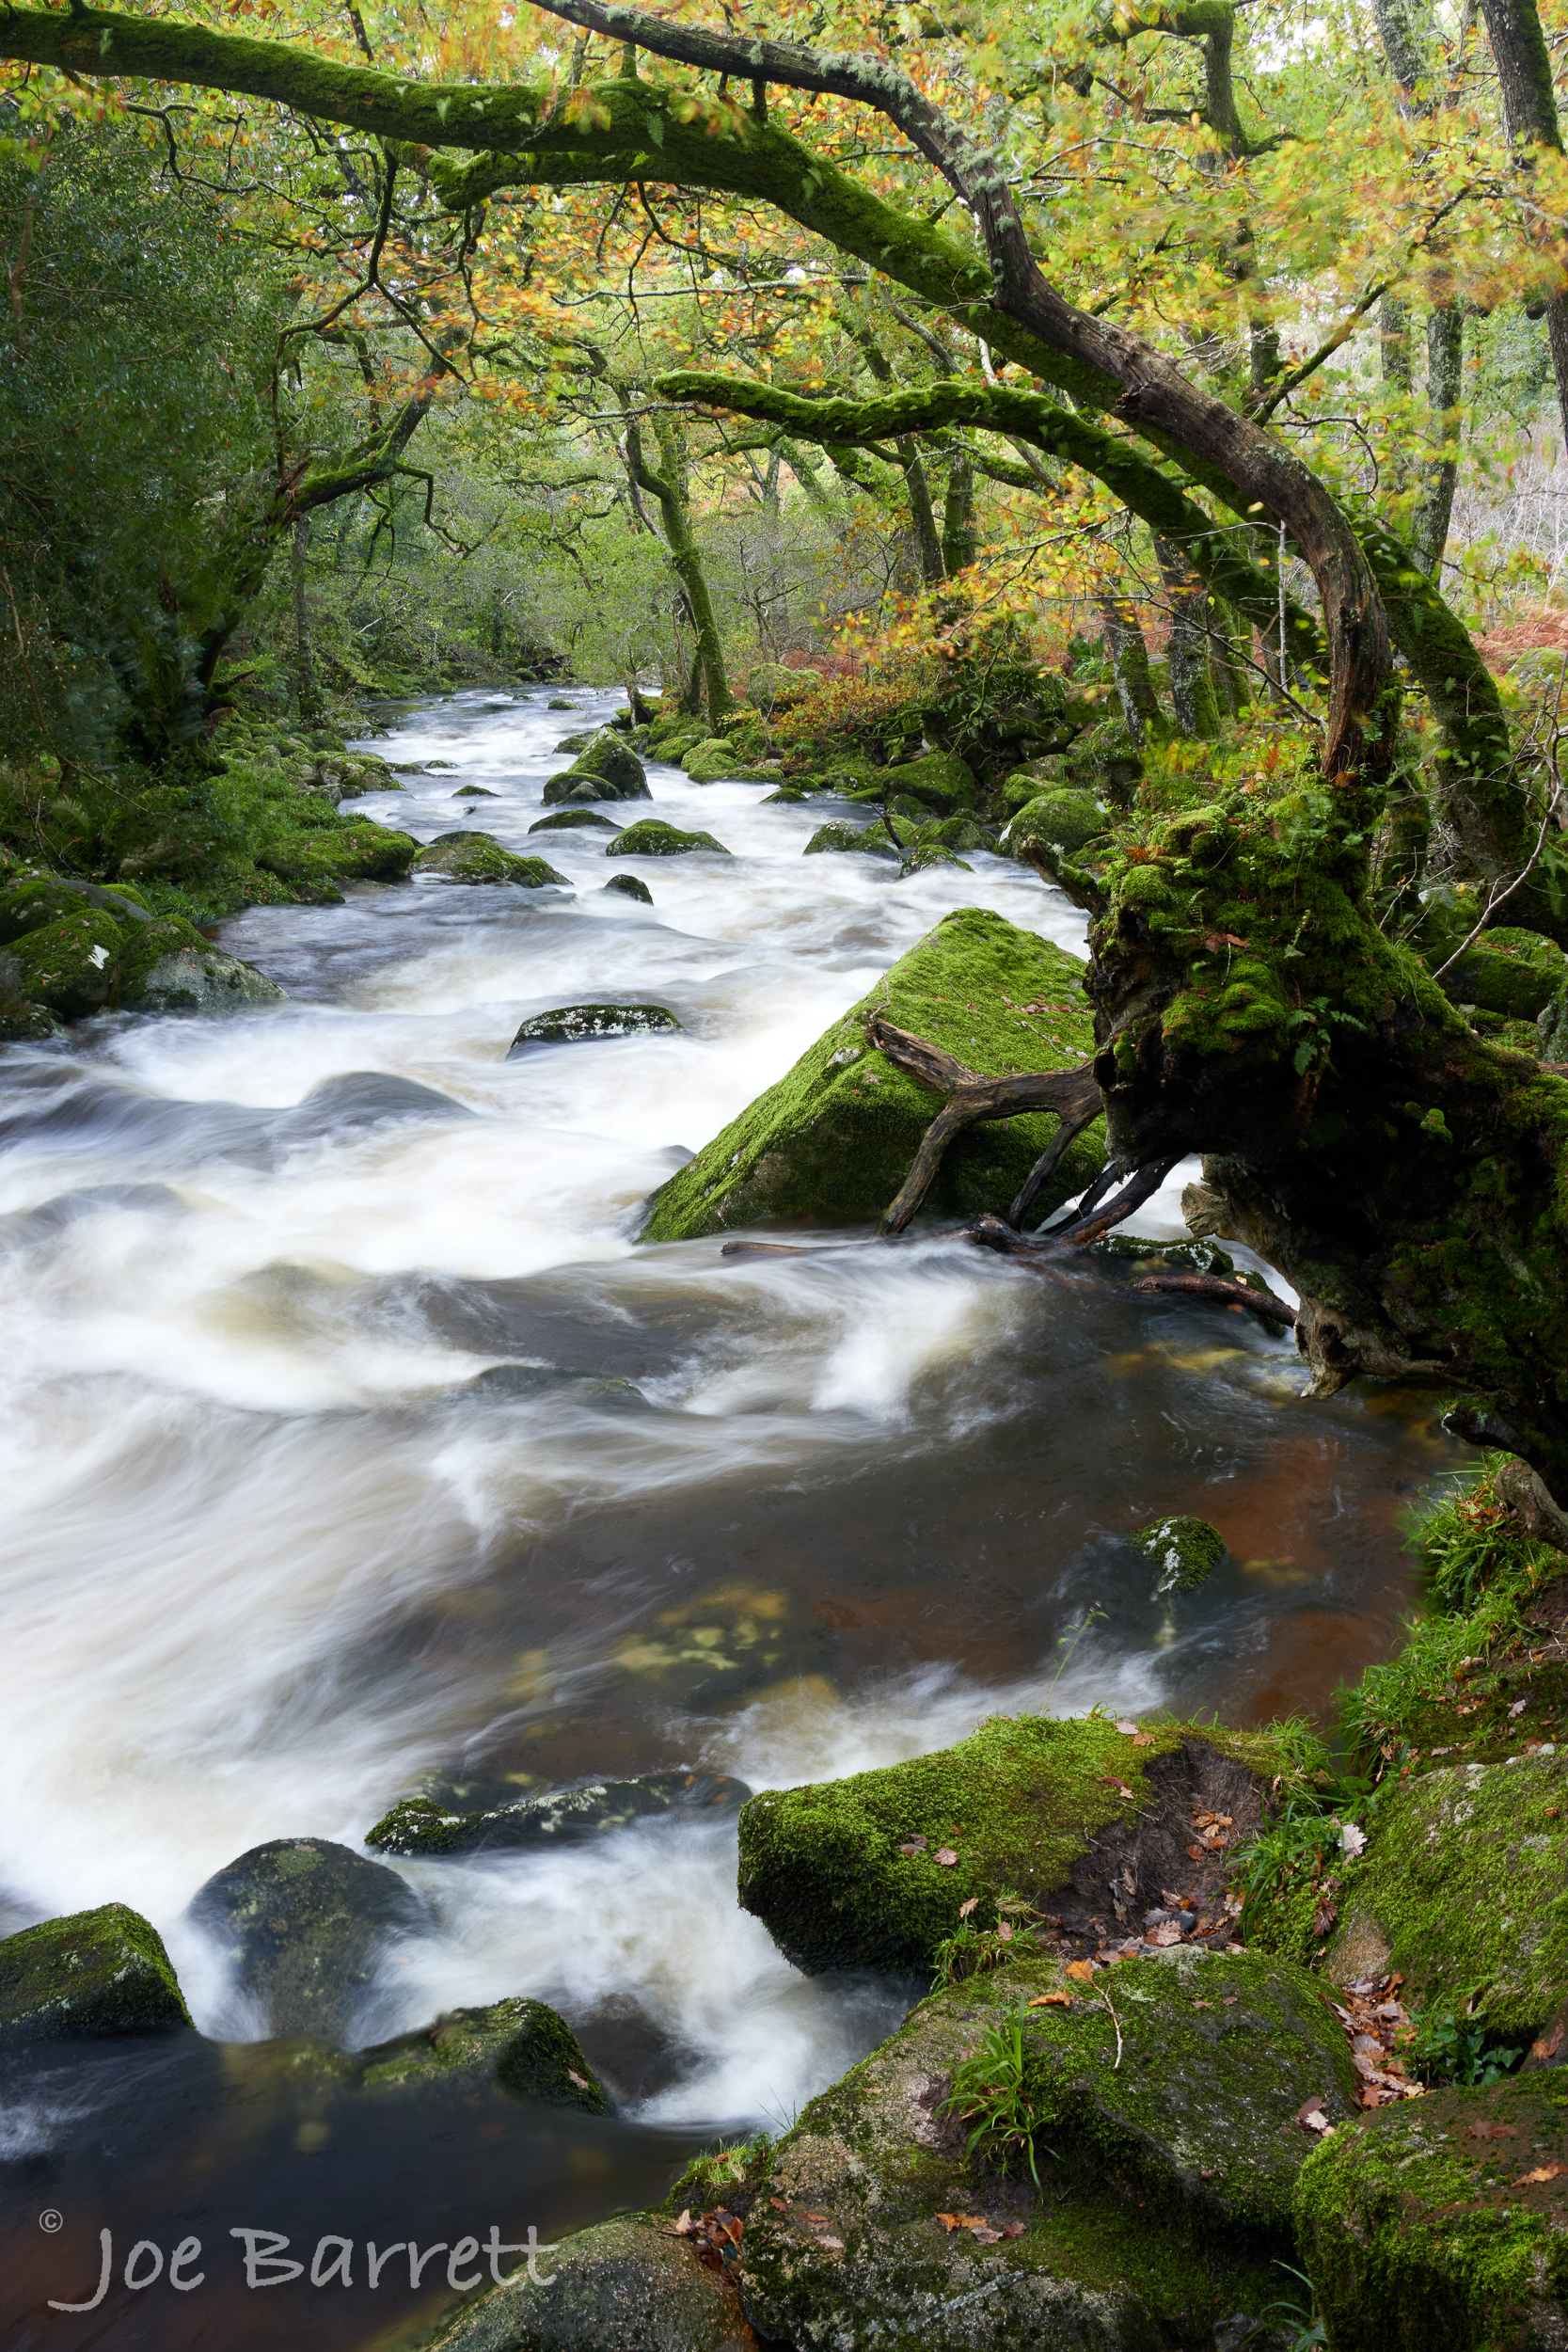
(269, 1560)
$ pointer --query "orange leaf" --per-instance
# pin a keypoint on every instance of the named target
(1081, 1969)
(1051, 2000)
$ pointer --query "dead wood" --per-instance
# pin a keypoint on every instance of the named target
(1264, 1303)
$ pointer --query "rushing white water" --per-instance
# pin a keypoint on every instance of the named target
(265, 1560)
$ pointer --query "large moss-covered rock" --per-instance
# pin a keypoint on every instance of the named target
(567, 1817)
(872, 840)
(938, 780)
(572, 820)
(41, 900)
(93, 1974)
(306, 1924)
(1441, 2224)
(1464, 1890)
(835, 1137)
(22, 1022)
(875, 1870)
(319, 860)
(70, 965)
(774, 686)
(1067, 819)
(1510, 972)
(521, 2046)
(168, 967)
(605, 769)
(108, 953)
(652, 837)
(626, 2285)
(480, 858)
(1164, 2182)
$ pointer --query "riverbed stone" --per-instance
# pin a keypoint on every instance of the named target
(567, 1817)
(92, 1975)
(928, 855)
(572, 820)
(1184, 1550)
(938, 780)
(871, 840)
(1441, 2224)
(605, 759)
(1165, 2187)
(875, 1870)
(305, 1925)
(168, 967)
(570, 1024)
(521, 2046)
(1464, 1890)
(833, 1140)
(22, 1021)
(626, 2285)
(1508, 971)
(652, 837)
(70, 966)
(630, 886)
(479, 858)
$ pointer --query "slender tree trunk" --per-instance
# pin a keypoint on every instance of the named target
(1429, 530)
(958, 514)
(1393, 336)
(1529, 105)
(305, 689)
(1129, 650)
(1192, 690)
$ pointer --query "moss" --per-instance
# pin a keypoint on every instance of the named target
(834, 1137)
(1186, 1551)
(1465, 1885)
(872, 840)
(1515, 973)
(572, 820)
(624, 2285)
(843, 2243)
(939, 780)
(874, 1870)
(652, 837)
(522, 2047)
(69, 965)
(1423, 2232)
(477, 858)
(93, 1974)
(629, 886)
(1067, 818)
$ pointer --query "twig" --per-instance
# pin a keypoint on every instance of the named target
(1117, 2022)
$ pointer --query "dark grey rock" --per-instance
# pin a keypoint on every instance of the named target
(570, 1023)
(631, 886)
(568, 1817)
(305, 1924)
(572, 820)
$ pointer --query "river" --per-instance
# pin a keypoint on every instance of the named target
(269, 1557)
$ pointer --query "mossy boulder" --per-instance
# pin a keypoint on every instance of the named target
(306, 1926)
(168, 967)
(928, 855)
(774, 686)
(91, 1974)
(1067, 819)
(567, 1817)
(22, 1022)
(92, 960)
(570, 1024)
(835, 1137)
(70, 965)
(1441, 2224)
(630, 886)
(938, 780)
(605, 769)
(1164, 2182)
(962, 832)
(626, 2285)
(873, 1871)
(717, 760)
(1105, 758)
(652, 837)
(32, 904)
(572, 820)
(871, 840)
(1464, 1890)
(520, 2045)
(1510, 972)
(1184, 1551)
(479, 858)
(328, 854)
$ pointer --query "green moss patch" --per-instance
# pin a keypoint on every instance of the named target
(1185, 1551)
(93, 1974)
(1515, 973)
(1065, 819)
(1423, 2230)
(833, 1140)
(522, 2047)
(477, 858)
(652, 837)
(626, 2285)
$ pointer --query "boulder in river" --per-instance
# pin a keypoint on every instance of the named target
(714, 760)
(871, 840)
(605, 769)
(475, 792)
(1067, 819)
(938, 780)
(929, 854)
(477, 858)
(91, 1975)
(834, 1137)
(572, 819)
(1464, 1890)
(522, 2047)
(568, 1024)
(652, 837)
(1443, 2222)
(567, 1817)
(875, 1871)
(1184, 1550)
(629, 2284)
(630, 886)
(305, 1925)
(78, 948)
(530, 1380)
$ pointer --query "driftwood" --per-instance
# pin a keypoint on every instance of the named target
(971, 1097)
(1264, 1303)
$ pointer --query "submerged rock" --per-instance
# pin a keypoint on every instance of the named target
(834, 1137)
(190, 976)
(354, 1099)
(652, 837)
(927, 854)
(1167, 2145)
(567, 1817)
(478, 857)
(91, 1975)
(305, 1925)
(626, 2285)
(476, 792)
(558, 702)
(569, 1024)
(1464, 1890)
(520, 2045)
(587, 1387)
(873, 1871)
(1184, 1550)
(1443, 2221)
(572, 820)
(630, 886)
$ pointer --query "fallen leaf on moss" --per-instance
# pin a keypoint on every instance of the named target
(1052, 2000)
(945, 1857)
(1081, 1969)
(965, 1908)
